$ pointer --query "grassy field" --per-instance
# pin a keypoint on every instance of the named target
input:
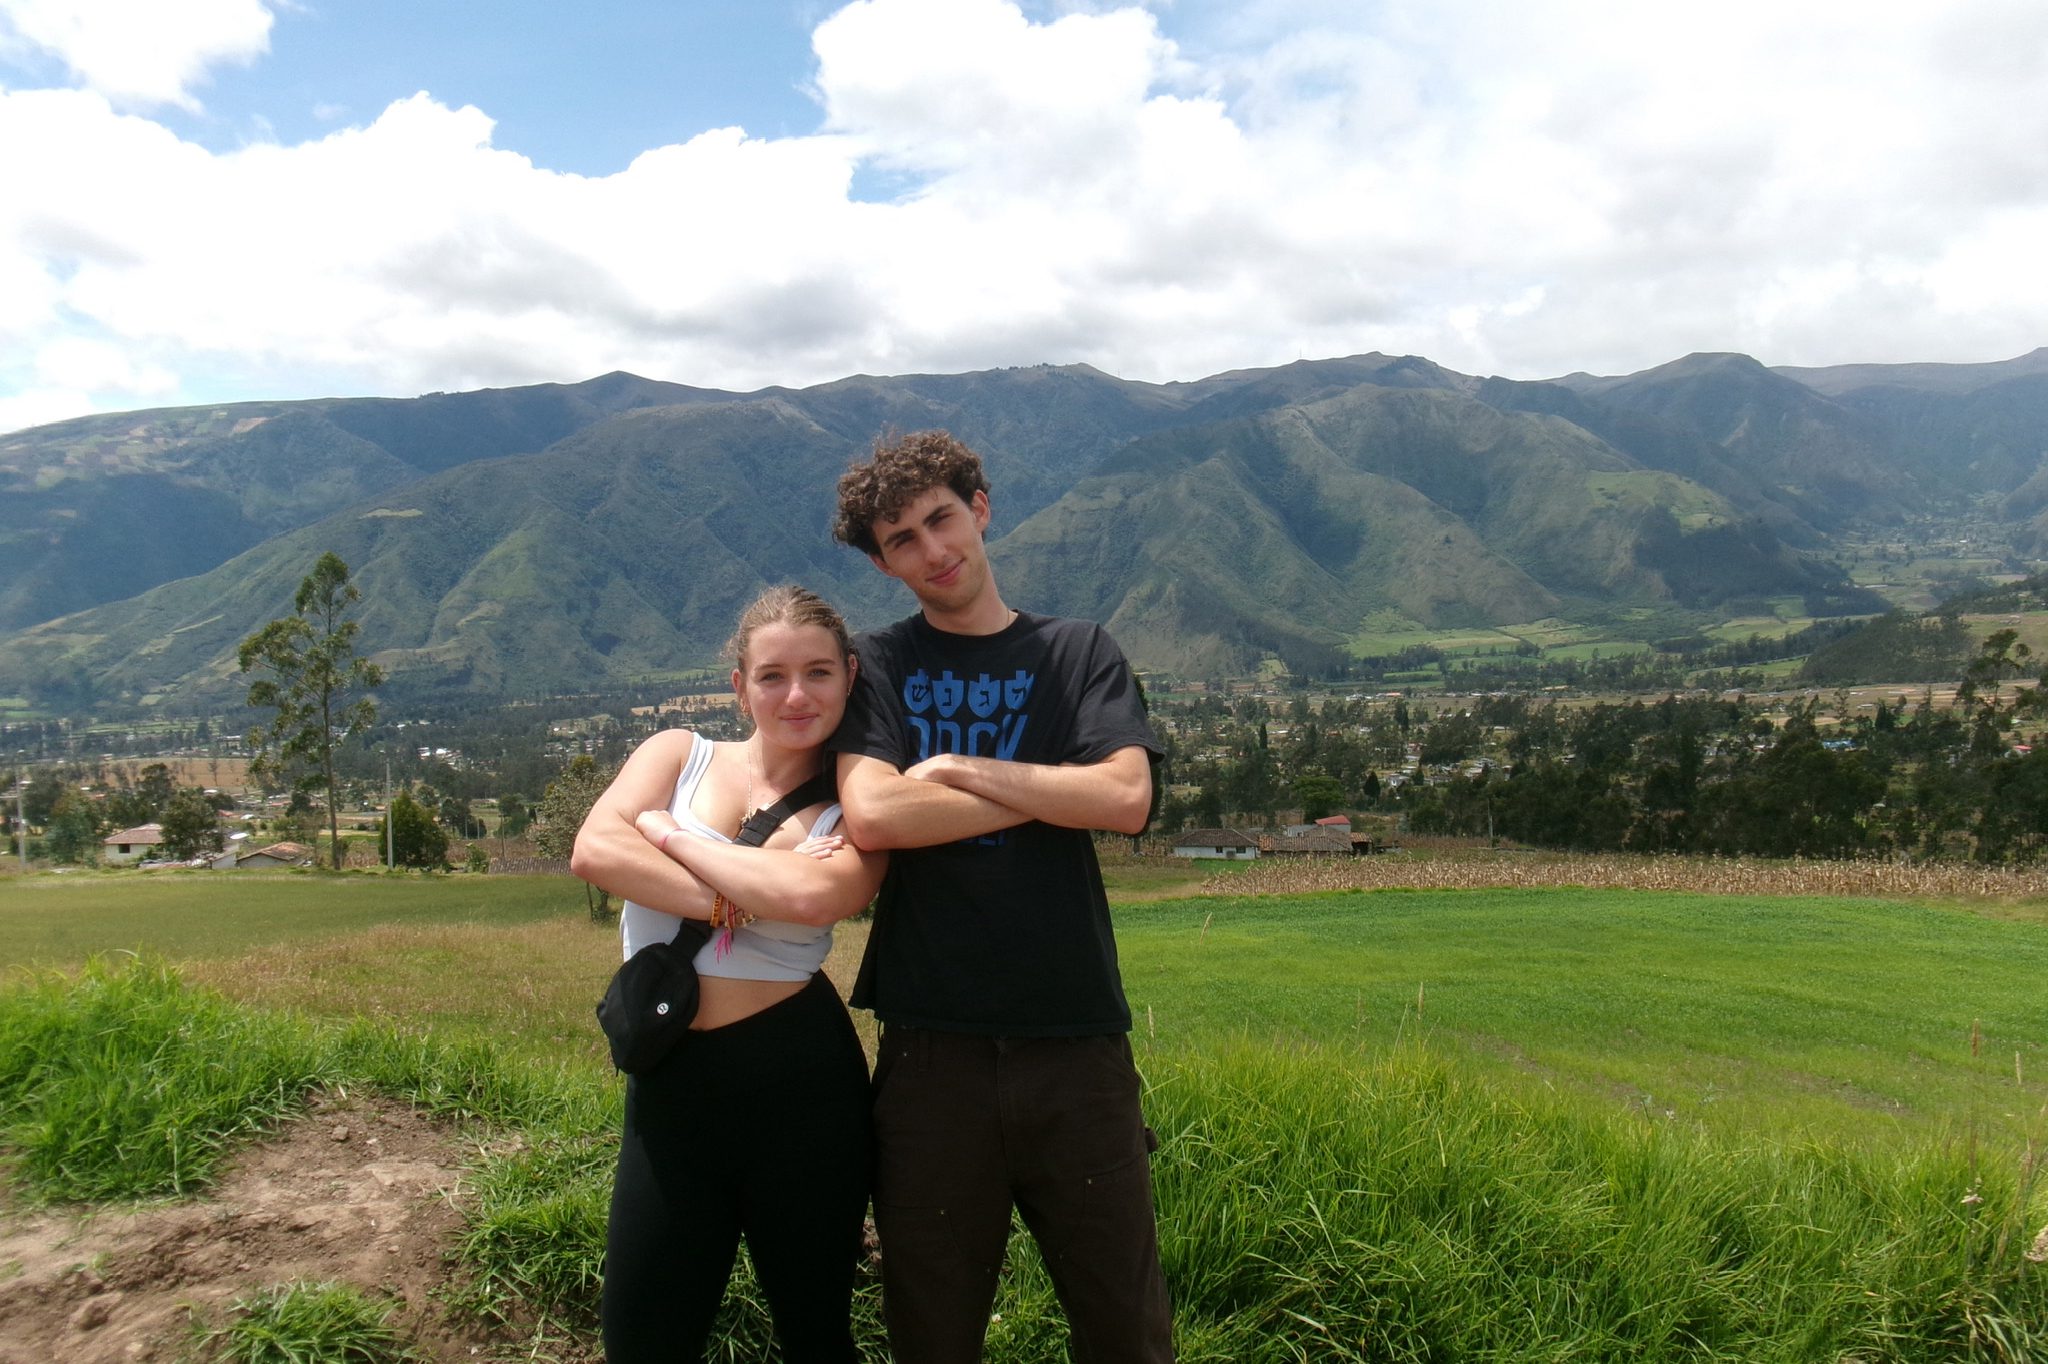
(1846, 1015)
(1774, 1016)
(1386, 633)
(1444, 1125)
(60, 919)
(1740, 628)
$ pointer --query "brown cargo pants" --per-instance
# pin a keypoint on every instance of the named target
(966, 1127)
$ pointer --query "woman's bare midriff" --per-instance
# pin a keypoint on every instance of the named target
(721, 1000)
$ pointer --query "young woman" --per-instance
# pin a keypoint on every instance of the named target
(757, 1124)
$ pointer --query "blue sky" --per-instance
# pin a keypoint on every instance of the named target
(210, 200)
(584, 94)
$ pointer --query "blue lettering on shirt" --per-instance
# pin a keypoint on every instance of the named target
(992, 728)
(995, 720)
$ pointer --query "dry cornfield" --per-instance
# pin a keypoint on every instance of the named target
(1495, 870)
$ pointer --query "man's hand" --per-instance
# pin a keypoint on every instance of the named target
(973, 796)
(947, 769)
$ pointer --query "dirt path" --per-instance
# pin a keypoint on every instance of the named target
(360, 1191)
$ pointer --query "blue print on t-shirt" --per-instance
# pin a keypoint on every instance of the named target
(993, 725)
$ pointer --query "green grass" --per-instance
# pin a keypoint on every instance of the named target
(1553, 633)
(1315, 1202)
(1131, 878)
(1694, 507)
(2030, 626)
(1741, 628)
(1400, 1209)
(1605, 648)
(1389, 632)
(1385, 633)
(1443, 1126)
(1783, 673)
(122, 1085)
(301, 1323)
(1765, 1014)
(62, 919)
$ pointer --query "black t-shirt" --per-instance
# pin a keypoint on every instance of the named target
(1007, 934)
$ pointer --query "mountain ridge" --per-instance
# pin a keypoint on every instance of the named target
(1211, 522)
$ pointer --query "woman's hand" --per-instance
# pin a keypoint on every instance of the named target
(655, 825)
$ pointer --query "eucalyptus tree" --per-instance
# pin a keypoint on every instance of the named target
(313, 680)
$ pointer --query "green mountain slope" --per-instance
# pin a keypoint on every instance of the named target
(1280, 533)
(1827, 462)
(523, 540)
(610, 555)
(102, 508)
(1990, 439)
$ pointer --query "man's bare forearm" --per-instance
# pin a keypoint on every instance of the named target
(947, 798)
(1115, 793)
(885, 808)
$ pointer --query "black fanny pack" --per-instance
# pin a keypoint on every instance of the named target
(652, 998)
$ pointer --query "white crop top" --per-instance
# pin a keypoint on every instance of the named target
(764, 949)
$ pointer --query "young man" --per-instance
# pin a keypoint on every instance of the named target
(981, 745)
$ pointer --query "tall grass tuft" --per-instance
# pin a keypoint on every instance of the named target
(472, 1081)
(536, 1228)
(121, 1083)
(535, 1243)
(1316, 1205)
(301, 1323)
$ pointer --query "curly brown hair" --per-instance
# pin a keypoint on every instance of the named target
(894, 475)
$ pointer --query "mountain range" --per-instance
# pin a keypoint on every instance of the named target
(566, 536)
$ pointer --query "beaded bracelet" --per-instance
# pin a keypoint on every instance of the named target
(726, 914)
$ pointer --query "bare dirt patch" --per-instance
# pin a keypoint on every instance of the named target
(360, 1191)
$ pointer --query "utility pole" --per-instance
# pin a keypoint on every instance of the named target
(21, 821)
(390, 861)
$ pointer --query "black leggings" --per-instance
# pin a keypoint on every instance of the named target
(760, 1127)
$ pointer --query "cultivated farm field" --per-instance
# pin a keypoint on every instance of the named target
(1614, 1116)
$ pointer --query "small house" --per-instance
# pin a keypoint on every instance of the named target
(1314, 843)
(1231, 844)
(130, 846)
(277, 855)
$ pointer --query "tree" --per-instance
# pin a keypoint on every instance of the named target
(126, 808)
(513, 816)
(72, 830)
(309, 658)
(45, 788)
(563, 807)
(1451, 739)
(191, 825)
(1318, 793)
(416, 840)
(460, 819)
(155, 787)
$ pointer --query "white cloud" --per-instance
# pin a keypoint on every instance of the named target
(142, 53)
(1502, 187)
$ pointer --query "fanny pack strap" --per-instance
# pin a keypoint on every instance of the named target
(754, 832)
